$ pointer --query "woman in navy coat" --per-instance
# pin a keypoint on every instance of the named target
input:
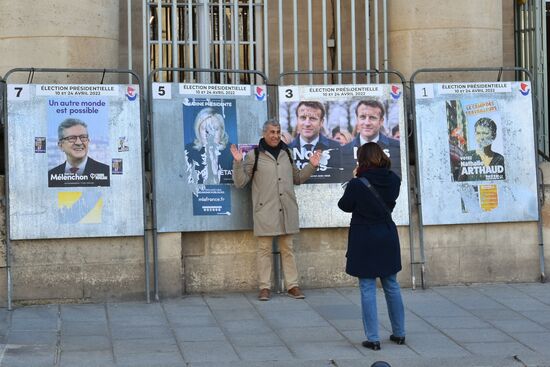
(373, 242)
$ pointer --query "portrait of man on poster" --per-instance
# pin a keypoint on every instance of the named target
(78, 169)
(310, 119)
(370, 128)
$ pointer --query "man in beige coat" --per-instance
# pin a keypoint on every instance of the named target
(274, 202)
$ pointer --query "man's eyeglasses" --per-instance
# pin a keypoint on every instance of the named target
(74, 138)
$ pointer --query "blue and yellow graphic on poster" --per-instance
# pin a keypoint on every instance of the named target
(79, 207)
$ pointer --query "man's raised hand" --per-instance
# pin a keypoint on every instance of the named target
(236, 153)
(316, 158)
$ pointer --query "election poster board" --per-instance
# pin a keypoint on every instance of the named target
(476, 152)
(75, 161)
(338, 119)
(193, 127)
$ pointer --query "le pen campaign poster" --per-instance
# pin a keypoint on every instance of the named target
(476, 152)
(194, 126)
(74, 161)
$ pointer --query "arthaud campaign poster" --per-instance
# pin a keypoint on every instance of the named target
(476, 152)
(338, 119)
(194, 126)
(68, 145)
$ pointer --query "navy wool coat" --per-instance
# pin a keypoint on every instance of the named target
(373, 243)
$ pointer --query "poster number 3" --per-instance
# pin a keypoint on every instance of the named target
(289, 94)
(18, 92)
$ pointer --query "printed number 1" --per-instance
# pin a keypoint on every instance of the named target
(424, 94)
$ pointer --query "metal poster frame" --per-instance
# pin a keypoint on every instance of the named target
(370, 73)
(540, 187)
(150, 80)
(3, 94)
(103, 72)
(3, 108)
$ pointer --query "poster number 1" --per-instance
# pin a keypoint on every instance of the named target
(424, 91)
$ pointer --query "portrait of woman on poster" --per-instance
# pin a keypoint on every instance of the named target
(209, 153)
(342, 136)
(373, 243)
(483, 163)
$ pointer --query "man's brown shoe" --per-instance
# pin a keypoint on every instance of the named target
(264, 294)
(296, 293)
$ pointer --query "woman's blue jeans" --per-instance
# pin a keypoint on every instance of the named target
(394, 301)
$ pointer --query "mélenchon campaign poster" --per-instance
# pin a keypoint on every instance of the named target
(75, 161)
(338, 119)
(194, 126)
(476, 152)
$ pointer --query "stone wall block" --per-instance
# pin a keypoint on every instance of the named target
(220, 273)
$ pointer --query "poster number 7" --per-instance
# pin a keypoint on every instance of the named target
(18, 92)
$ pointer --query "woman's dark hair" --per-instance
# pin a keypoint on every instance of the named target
(370, 155)
(487, 122)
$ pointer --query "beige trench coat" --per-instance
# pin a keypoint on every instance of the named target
(273, 198)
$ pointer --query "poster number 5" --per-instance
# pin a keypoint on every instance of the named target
(162, 91)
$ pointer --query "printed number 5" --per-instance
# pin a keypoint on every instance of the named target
(161, 90)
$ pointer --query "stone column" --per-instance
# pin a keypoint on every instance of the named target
(445, 33)
(60, 34)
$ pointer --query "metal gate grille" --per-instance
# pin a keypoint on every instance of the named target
(272, 36)
(531, 54)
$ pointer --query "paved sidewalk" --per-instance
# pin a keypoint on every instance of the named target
(480, 325)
